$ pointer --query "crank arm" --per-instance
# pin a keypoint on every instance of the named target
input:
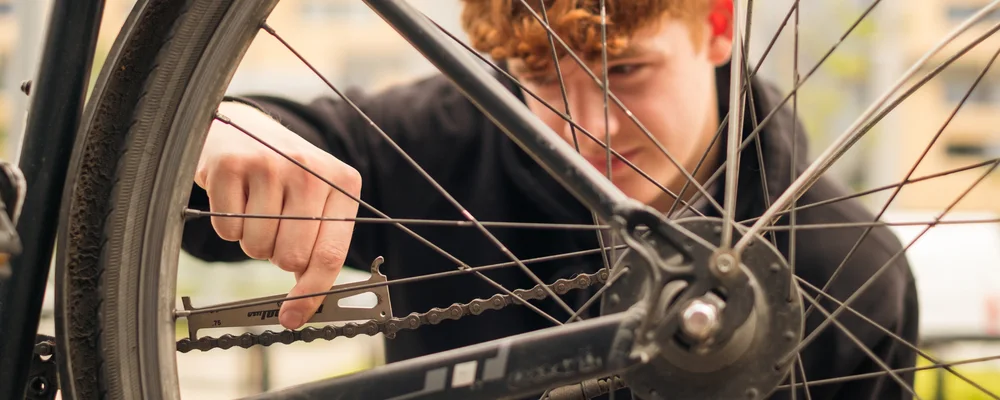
(256, 314)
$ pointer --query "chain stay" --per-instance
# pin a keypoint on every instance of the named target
(390, 326)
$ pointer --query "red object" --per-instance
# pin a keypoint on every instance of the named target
(992, 315)
(720, 16)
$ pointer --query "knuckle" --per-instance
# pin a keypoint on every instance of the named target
(201, 175)
(300, 157)
(331, 257)
(291, 261)
(231, 164)
(303, 163)
(349, 179)
(304, 178)
(257, 251)
(266, 168)
(228, 228)
(261, 165)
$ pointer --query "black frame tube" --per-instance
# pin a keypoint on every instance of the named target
(57, 98)
(520, 365)
(506, 111)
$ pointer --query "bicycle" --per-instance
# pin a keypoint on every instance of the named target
(690, 301)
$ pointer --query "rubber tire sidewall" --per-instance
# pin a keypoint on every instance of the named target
(129, 180)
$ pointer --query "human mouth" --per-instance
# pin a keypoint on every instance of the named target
(600, 161)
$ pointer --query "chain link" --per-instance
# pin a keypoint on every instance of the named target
(390, 326)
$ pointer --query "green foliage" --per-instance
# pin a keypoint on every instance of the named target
(986, 375)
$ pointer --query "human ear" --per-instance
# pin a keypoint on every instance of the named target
(720, 21)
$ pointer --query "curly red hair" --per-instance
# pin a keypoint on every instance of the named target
(506, 29)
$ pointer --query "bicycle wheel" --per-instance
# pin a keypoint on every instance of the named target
(152, 101)
(132, 169)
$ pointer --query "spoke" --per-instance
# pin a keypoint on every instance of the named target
(753, 117)
(844, 225)
(725, 118)
(607, 123)
(889, 333)
(735, 136)
(774, 111)
(879, 189)
(794, 160)
(701, 161)
(885, 267)
(192, 213)
(805, 382)
(853, 133)
(774, 38)
(576, 127)
(604, 80)
(576, 143)
(791, 379)
(627, 111)
(437, 186)
(909, 174)
(926, 78)
(878, 374)
(412, 279)
(461, 264)
(760, 156)
(861, 345)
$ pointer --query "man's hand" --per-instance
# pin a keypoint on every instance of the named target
(243, 176)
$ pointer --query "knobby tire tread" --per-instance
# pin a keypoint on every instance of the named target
(105, 169)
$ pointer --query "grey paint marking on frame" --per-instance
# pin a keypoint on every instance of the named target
(434, 381)
(496, 367)
(493, 368)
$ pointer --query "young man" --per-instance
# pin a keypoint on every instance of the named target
(668, 63)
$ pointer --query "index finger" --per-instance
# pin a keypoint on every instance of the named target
(327, 259)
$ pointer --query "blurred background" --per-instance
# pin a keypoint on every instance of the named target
(957, 266)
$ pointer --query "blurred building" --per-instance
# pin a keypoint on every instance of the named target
(8, 34)
(343, 39)
(973, 135)
(834, 94)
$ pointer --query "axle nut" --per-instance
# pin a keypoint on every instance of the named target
(700, 319)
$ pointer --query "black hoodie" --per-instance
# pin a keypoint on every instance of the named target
(496, 181)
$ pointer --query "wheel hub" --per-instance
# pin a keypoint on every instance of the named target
(732, 322)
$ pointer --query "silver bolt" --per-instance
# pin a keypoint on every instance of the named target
(700, 319)
(725, 263)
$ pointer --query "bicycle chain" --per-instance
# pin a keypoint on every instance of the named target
(390, 326)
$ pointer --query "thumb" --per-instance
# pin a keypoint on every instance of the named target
(295, 313)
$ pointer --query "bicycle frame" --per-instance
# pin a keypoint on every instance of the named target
(57, 98)
(516, 366)
(522, 364)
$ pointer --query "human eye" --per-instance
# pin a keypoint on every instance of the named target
(624, 70)
(543, 80)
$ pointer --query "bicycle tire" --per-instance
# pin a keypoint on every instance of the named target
(140, 138)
